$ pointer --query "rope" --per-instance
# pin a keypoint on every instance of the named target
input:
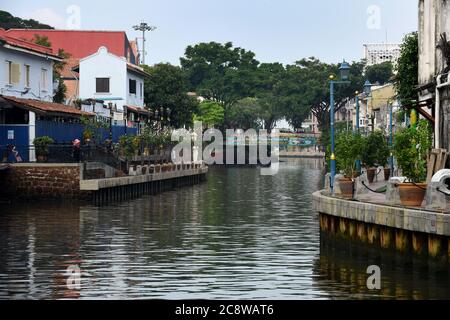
(379, 171)
(418, 186)
(374, 191)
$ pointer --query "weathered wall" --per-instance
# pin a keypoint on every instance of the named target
(43, 181)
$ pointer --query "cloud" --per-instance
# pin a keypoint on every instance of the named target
(47, 16)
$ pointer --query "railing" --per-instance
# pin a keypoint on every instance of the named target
(65, 153)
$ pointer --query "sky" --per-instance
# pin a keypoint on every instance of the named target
(275, 30)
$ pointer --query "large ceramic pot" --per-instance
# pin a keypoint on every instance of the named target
(347, 186)
(371, 174)
(412, 195)
(387, 174)
(41, 158)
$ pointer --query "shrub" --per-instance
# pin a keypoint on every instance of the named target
(41, 144)
(376, 150)
(349, 148)
(411, 147)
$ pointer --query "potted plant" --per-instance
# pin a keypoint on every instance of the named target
(41, 145)
(349, 148)
(376, 153)
(411, 148)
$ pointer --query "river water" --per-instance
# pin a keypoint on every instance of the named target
(240, 235)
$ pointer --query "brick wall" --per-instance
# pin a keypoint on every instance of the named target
(43, 181)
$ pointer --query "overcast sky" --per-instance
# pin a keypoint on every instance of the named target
(276, 30)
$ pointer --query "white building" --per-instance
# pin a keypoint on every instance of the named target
(26, 69)
(376, 53)
(434, 67)
(105, 76)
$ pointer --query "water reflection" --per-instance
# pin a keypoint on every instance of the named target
(239, 235)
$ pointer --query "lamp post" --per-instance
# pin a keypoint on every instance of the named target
(391, 137)
(358, 162)
(368, 94)
(344, 73)
(143, 26)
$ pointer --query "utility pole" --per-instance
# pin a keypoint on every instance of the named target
(143, 27)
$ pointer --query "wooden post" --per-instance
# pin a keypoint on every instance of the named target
(386, 236)
(361, 231)
(373, 234)
(419, 243)
(402, 242)
(435, 246)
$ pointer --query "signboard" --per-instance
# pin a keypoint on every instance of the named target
(118, 116)
(10, 134)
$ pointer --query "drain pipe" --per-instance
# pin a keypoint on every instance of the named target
(437, 111)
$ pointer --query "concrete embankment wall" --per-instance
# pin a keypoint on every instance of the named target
(408, 230)
(94, 181)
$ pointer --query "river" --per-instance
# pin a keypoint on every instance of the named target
(240, 235)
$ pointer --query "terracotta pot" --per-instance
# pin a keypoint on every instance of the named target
(412, 195)
(387, 174)
(371, 174)
(42, 158)
(347, 187)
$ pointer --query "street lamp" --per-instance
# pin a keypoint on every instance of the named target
(358, 162)
(368, 94)
(143, 26)
(344, 71)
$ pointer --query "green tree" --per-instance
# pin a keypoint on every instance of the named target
(210, 113)
(167, 87)
(380, 73)
(407, 69)
(220, 72)
(244, 114)
(8, 21)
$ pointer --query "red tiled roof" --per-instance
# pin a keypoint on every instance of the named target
(80, 43)
(28, 45)
(46, 107)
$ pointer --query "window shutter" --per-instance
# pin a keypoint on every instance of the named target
(15, 73)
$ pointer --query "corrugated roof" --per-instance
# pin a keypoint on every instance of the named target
(45, 107)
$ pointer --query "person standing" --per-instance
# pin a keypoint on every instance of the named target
(76, 150)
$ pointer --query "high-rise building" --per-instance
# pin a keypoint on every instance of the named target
(376, 53)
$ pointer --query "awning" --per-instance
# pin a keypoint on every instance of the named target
(43, 107)
(138, 110)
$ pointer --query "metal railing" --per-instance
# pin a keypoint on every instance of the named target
(65, 153)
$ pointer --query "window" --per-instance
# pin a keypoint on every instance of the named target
(27, 76)
(44, 79)
(141, 90)
(13, 72)
(132, 85)
(102, 85)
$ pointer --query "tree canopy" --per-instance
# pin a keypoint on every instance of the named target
(380, 73)
(220, 72)
(407, 69)
(8, 21)
(167, 87)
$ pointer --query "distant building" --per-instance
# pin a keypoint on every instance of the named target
(310, 124)
(80, 44)
(377, 53)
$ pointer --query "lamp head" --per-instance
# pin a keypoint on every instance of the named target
(344, 70)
